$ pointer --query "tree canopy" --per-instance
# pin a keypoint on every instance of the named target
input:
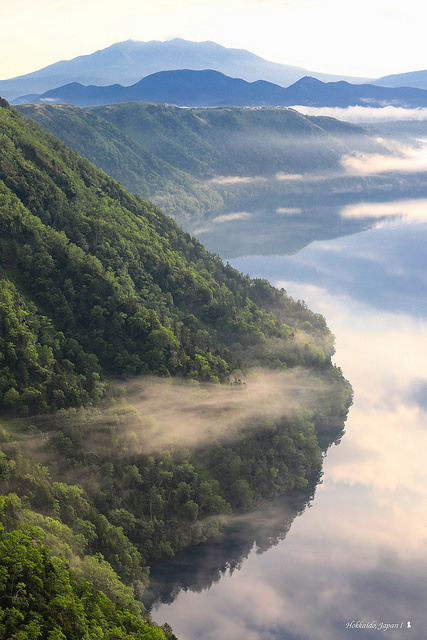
(98, 288)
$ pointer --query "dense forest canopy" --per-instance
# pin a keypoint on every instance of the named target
(118, 288)
(108, 313)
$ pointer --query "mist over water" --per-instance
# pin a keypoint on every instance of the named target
(365, 114)
(354, 564)
(376, 178)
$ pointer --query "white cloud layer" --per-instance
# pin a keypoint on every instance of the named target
(408, 160)
(281, 176)
(365, 114)
(288, 211)
(231, 180)
(413, 210)
(228, 217)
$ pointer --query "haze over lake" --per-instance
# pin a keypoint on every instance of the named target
(355, 563)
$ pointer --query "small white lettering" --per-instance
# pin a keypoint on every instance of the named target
(379, 626)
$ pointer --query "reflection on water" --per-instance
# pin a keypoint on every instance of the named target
(200, 568)
(280, 217)
(384, 267)
(355, 563)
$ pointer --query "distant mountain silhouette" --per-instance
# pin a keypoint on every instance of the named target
(312, 92)
(127, 62)
(210, 88)
(416, 79)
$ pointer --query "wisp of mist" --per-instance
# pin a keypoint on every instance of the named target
(168, 411)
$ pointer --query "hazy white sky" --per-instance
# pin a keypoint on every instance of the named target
(367, 38)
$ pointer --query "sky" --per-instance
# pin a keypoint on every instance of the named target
(367, 38)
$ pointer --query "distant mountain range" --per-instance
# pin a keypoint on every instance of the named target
(417, 79)
(209, 88)
(127, 62)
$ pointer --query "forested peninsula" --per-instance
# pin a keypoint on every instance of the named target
(148, 391)
(183, 159)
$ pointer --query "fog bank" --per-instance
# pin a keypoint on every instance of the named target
(365, 114)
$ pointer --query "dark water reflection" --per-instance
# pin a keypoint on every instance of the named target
(354, 565)
(205, 565)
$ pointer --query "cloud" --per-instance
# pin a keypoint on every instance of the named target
(413, 210)
(228, 217)
(327, 572)
(200, 230)
(350, 542)
(386, 428)
(288, 211)
(281, 176)
(407, 160)
(234, 179)
(365, 114)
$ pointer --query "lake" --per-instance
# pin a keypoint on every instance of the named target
(349, 558)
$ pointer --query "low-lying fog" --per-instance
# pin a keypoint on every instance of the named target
(361, 115)
(282, 213)
(155, 413)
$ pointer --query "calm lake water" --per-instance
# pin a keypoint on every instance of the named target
(349, 561)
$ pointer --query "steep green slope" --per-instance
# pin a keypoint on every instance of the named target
(178, 193)
(98, 289)
(223, 141)
(41, 597)
(168, 154)
(233, 141)
(126, 289)
(146, 145)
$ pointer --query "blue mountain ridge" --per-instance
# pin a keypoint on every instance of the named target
(127, 62)
(209, 88)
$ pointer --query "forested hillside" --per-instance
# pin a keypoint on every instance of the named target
(226, 141)
(134, 165)
(147, 390)
(173, 156)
